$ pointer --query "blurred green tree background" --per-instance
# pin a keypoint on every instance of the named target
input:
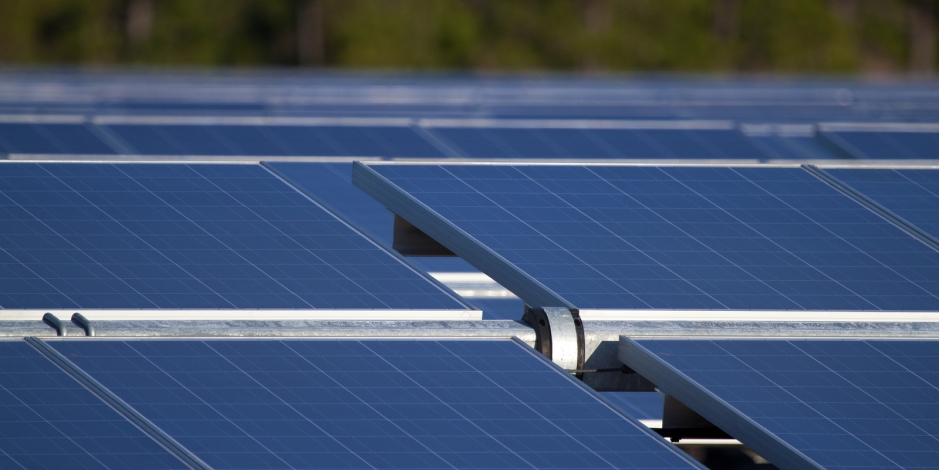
(827, 36)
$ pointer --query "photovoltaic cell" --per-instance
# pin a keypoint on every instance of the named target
(186, 236)
(600, 143)
(41, 138)
(621, 237)
(911, 194)
(49, 421)
(843, 404)
(360, 141)
(368, 404)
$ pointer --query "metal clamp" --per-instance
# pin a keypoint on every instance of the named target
(559, 336)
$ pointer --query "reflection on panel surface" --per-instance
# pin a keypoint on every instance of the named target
(49, 421)
(843, 404)
(630, 237)
(378, 404)
(186, 236)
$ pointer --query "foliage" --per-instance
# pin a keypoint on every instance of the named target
(680, 35)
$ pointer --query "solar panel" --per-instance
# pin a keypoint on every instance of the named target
(138, 236)
(910, 194)
(807, 403)
(482, 142)
(634, 237)
(882, 141)
(48, 421)
(377, 404)
(273, 140)
(50, 138)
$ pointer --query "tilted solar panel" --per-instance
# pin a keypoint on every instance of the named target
(546, 143)
(273, 140)
(636, 237)
(369, 404)
(910, 194)
(49, 421)
(51, 138)
(882, 142)
(807, 403)
(138, 236)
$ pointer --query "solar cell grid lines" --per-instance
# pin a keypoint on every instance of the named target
(841, 403)
(368, 404)
(142, 236)
(910, 194)
(48, 421)
(634, 237)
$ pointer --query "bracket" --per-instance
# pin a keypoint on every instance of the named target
(559, 336)
(411, 241)
(84, 323)
(54, 322)
(680, 422)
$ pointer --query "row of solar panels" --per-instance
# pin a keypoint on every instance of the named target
(307, 404)
(168, 236)
(229, 404)
(252, 94)
(501, 139)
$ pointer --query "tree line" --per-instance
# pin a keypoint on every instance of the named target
(823, 36)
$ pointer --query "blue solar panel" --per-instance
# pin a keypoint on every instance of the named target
(377, 404)
(359, 141)
(186, 236)
(885, 145)
(681, 237)
(843, 404)
(49, 421)
(600, 143)
(910, 194)
(50, 139)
